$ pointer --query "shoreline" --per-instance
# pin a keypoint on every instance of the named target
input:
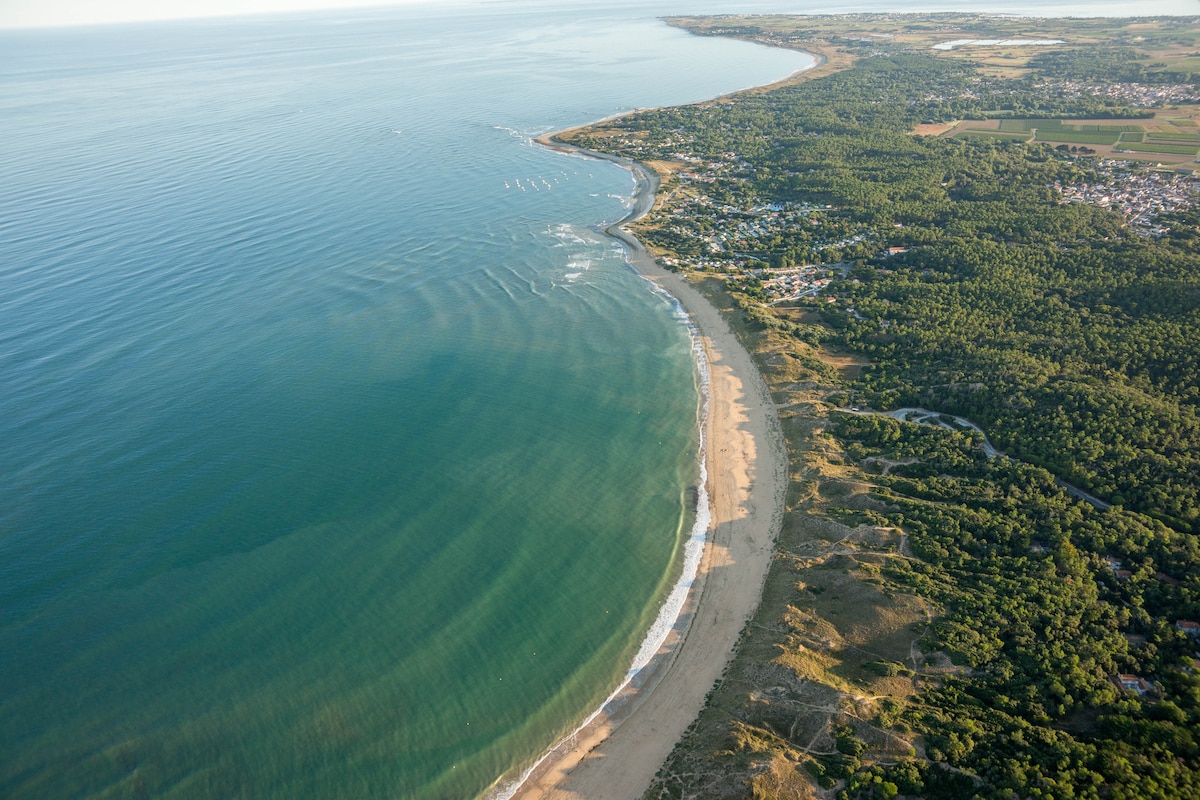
(617, 750)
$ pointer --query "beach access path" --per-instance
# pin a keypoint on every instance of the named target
(616, 756)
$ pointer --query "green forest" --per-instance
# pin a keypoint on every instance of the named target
(1072, 339)
(1041, 620)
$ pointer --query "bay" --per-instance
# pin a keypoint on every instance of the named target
(342, 455)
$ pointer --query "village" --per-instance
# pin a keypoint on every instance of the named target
(786, 285)
(740, 241)
(1135, 94)
(1140, 196)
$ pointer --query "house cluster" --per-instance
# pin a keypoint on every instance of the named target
(709, 264)
(1116, 567)
(793, 284)
(857, 238)
(1133, 683)
(764, 222)
(1140, 196)
(1134, 94)
(1189, 628)
(735, 234)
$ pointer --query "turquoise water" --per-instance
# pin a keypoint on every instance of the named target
(340, 455)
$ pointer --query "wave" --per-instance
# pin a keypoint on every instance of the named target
(693, 549)
(525, 137)
(566, 233)
(671, 610)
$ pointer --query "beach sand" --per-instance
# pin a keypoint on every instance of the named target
(617, 755)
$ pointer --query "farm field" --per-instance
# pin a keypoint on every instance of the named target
(1159, 138)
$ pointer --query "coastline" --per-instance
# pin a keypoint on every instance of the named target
(617, 750)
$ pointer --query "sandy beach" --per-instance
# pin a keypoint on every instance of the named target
(617, 754)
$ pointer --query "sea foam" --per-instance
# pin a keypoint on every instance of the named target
(671, 610)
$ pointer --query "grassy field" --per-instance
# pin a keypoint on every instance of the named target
(1187, 64)
(1017, 124)
(1064, 136)
(978, 134)
(1147, 137)
(1056, 125)
(1173, 138)
(1085, 128)
(1170, 149)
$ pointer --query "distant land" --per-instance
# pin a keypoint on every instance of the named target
(964, 251)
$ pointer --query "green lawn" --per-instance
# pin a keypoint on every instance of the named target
(1012, 137)
(1076, 137)
(1089, 128)
(1173, 138)
(1054, 130)
(1170, 149)
(1028, 124)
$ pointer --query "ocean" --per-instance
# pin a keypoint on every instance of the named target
(341, 455)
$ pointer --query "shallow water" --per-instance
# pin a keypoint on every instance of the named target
(340, 454)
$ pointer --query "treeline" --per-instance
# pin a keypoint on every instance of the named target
(1041, 624)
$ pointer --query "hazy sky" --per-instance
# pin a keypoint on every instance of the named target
(22, 13)
(27, 13)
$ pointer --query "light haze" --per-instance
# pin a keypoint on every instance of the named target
(45, 13)
(59, 13)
